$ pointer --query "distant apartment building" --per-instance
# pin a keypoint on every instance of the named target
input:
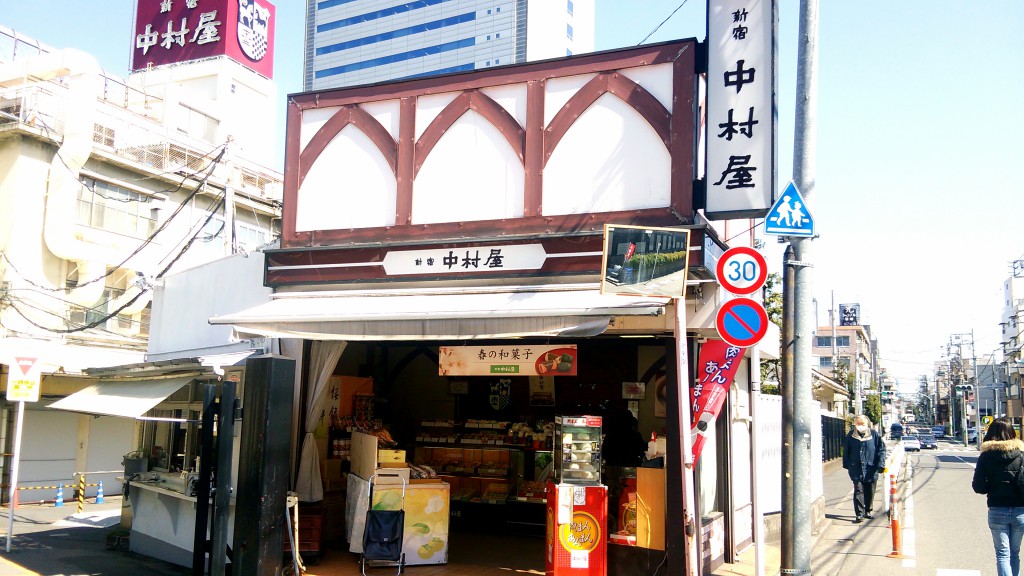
(1013, 340)
(352, 42)
(851, 346)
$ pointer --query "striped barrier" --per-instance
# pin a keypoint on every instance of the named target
(894, 523)
(79, 485)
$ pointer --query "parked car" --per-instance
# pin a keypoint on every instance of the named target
(911, 444)
(928, 442)
(972, 435)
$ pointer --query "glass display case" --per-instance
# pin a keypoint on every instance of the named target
(578, 459)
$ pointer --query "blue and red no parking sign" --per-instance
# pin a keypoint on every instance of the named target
(742, 322)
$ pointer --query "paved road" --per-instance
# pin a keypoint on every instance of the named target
(48, 540)
(945, 531)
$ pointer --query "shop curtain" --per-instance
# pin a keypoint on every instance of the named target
(323, 358)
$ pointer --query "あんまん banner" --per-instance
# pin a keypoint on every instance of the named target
(717, 364)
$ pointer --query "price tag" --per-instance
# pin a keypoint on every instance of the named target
(579, 559)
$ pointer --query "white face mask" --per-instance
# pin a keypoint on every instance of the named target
(861, 428)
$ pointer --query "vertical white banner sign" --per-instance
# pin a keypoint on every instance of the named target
(740, 169)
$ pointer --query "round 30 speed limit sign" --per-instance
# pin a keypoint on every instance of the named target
(741, 270)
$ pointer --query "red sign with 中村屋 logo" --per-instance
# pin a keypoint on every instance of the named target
(173, 31)
(717, 364)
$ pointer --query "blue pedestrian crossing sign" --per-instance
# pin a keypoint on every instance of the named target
(789, 216)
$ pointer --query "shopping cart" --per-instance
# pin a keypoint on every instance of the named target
(382, 534)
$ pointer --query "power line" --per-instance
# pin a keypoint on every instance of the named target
(149, 240)
(656, 28)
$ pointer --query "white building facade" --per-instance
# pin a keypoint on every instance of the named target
(351, 42)
(108, 184)
(1012, 340)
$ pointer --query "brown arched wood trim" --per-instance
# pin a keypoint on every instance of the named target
(348, 114)
(480, 103)
(633, 94)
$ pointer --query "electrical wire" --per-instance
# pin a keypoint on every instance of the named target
(102, 320)
(149, 240)
(656, 28)
(734, 236)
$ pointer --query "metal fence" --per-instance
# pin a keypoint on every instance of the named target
(833, 430)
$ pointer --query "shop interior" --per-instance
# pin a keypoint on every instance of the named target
(493, 439)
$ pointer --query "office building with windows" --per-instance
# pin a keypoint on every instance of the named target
(352, 42)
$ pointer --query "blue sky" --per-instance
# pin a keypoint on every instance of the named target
(917, 200)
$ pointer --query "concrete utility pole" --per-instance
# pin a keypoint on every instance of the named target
(798, 540)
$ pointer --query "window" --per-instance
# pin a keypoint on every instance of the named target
(250, 237)
(196, 124)
(97, 314)
(568, 31)
(826, 341)
(826, 361)
(568, 7)
(172, 445)
(113, 208)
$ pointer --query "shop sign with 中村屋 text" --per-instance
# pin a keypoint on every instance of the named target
(741, 117)
(515, 360)
(717, 364)
(175, 31)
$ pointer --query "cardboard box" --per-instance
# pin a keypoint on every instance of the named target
(331, 469)
(650, 508)
(391, 474)
(364, 455)
(390, 456)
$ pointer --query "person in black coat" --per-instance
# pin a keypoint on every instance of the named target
(996, 475)
(863, 458)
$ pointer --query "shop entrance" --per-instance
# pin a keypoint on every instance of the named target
(491, 441)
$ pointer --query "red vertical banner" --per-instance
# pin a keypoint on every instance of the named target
(717, 364)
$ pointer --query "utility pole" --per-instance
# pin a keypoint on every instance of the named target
(230, 239)
(798, 262)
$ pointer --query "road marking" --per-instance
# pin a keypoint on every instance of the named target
(971, 464)
(909, 540)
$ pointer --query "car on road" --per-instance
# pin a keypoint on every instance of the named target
(972, 435)
(911, 444)
(938, 431)
(928, 442)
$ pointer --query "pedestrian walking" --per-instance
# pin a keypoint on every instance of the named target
(998, 475)
(863, 458)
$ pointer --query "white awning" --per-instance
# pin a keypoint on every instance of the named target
(438, 315)
(127, 398)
